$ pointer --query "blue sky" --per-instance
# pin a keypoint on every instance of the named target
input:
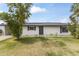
(47, 12)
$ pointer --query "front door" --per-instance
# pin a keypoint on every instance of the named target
(40, 30)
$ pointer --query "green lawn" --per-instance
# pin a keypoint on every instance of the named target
(40, 46)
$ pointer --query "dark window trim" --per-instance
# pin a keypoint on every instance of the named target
(31, 27)
(63, 29)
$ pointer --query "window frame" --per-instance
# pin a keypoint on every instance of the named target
(32, 27)
(63, 29)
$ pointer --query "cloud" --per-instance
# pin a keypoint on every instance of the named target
(36, 9)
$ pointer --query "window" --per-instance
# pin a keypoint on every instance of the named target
(63, 29)
(31, 27)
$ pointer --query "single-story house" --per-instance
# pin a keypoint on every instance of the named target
(44, 28)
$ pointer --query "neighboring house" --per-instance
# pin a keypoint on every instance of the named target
(45, 28)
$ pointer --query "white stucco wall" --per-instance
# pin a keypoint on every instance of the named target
(30, 32)
(54, 30)
(51, 30)
(48, 30)
(3, 29)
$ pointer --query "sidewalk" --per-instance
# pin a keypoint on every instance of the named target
(4, 37)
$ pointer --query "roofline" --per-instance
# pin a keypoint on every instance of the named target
(45, 23)
(41, 23)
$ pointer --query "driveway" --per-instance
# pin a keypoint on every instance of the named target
(4, 37)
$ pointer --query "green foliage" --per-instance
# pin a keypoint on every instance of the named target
(20, 11)
(15, 28)
(72, 29)
(74, 24)
(15, 17)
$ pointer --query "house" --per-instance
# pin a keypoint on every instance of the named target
(44, 28)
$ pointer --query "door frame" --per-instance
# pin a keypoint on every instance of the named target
(41, 30)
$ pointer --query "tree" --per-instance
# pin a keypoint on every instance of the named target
(74, 24)
(15, 17)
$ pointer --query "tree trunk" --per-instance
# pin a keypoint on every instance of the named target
(18, 38)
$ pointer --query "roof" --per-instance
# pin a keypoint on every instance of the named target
(41, 23)
(46, 23)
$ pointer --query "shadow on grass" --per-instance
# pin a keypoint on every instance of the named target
(31, 40)
(60, 44)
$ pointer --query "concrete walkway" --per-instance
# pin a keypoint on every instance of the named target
(4, 37)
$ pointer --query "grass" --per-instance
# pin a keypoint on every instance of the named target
(60, 53)
(40, 46)
(60, 43)
(52, 53)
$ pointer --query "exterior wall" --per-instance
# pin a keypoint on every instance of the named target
(54, 30)
(49, 30)
(30, 32)
(3, 29)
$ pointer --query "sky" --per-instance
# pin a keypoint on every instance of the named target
(47, 12)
